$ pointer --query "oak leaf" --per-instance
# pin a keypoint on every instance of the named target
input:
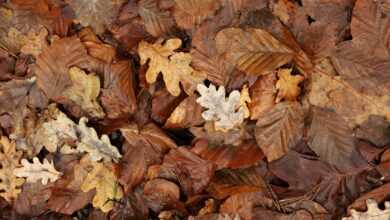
(9, 160)
(98, 13)
(37, 171)
(84, 91)
(103, 180)
(279, 129)
(253, 51)
(227, 113)
(174, 66)
(287, 85)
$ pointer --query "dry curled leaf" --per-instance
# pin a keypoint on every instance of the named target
(103, 180)
(372, 213)
(287, 85)
(9, 160)
(279, 129)
(84, 91)
(174, 66)
(253, 51)
(46, 172)
(227, 113)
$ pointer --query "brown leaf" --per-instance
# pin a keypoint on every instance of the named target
(14, 94)
(375, 129)
(379, 194)
(384, 166)
(54, 62)
(183, 166)
(95, 47)
(187, 114)
(32, 201)
(253, 51)
(331, 139)
(118, 97)
(280, 129)
(244, 155)
(228, 182)
(189, 14)
(263, 94)
(97, 14)
(131, 208)
(157, 22)
(160, 194)
(287, 85)
(163, 104)
(144, 147)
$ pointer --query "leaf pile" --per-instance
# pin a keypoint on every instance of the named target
(194, 109)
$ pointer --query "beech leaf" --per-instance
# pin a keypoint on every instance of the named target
(157, 22)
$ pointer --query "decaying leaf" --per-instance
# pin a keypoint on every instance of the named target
(227, 113)
(84, 91)
(174, 66)
(287, 85)
(9, 160)
(254, 51)
(372, 213)
(160, 193)
(46, 172)
(103, 180)
(279, 129)
(97, 13)
(97, 148)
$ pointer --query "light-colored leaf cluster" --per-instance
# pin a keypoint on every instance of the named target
(372, 213)
(46, 172)
(54, 134)
(227, 112)
(9, 160)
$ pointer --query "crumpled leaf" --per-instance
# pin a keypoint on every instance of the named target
(279, 129)
(160, 194)
(157, 22)
(254, 51)
(37, 171)
(103, 180)
(190, 13)
(96, 48)
(9, 160)
(227, 113)
(372, 213)
(97, 148)
(52, 65)
(174, 66)
(84, 91)
(287, 85)
(98, 13)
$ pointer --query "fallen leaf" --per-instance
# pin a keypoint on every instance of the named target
(185, 115)
(379, 195)
(263, 94)
(279, 129)
(287, 85)
(157, 22)
(253, 51)
(174, 66)
(46, 172)
(118, 97)
(375, 129)
(132, 207)
(103, 180)
(53, 64)
(331, 139)
(9, 160)
(36, 42)
(372, 213)
(163, 104)
(95, 47)
(189, 14)
(84, 92)
(97, 14)
(226, 113)
(160, 194)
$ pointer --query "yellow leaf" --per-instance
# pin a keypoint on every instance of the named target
(244, 99)
(84, 91)
(288, 85)
(174, 66)
(9, 160)
(105, 182)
